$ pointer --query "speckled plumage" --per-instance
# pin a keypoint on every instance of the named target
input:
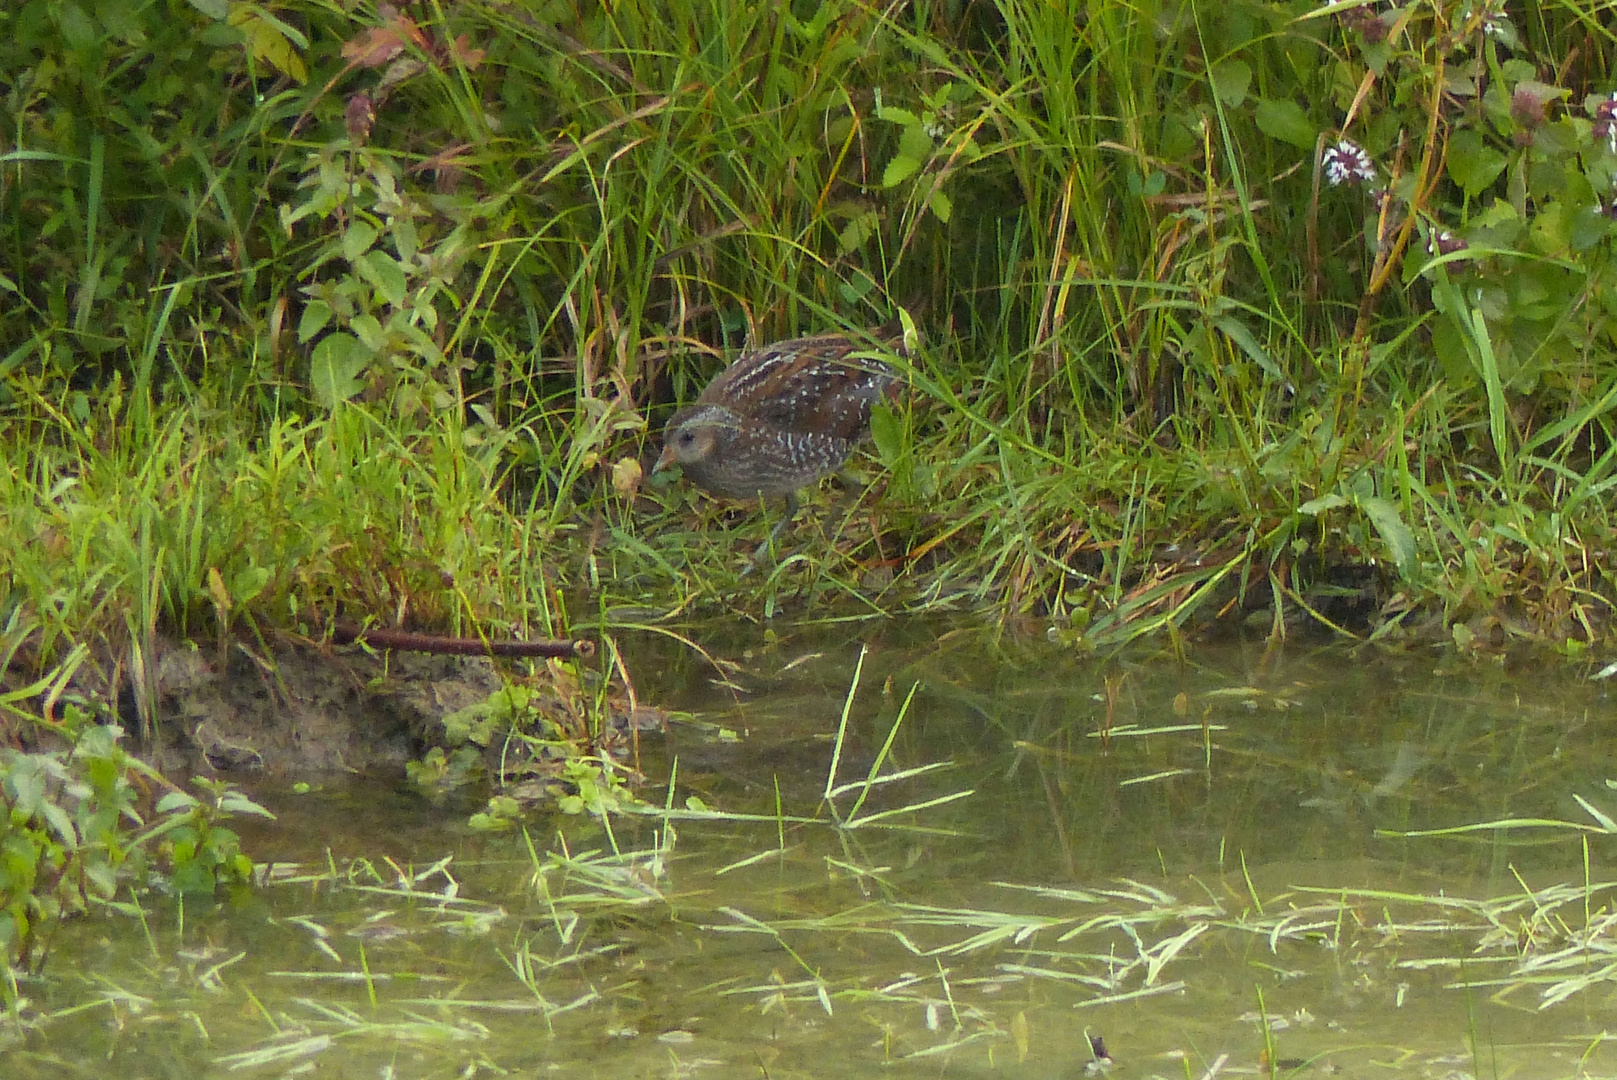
(779, 418)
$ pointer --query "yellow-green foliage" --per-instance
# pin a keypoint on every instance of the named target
(396, 304)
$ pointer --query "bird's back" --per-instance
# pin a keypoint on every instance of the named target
(779, 417)
(812, 386)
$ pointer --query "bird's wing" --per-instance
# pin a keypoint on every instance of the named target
(811, 385)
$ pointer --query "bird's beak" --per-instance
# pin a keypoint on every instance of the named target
(663, 462)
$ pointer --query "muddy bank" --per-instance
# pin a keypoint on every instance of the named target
(299, 709)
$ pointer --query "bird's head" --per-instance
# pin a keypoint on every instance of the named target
(691, 440)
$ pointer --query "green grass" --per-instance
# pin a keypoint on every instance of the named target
(256, 364)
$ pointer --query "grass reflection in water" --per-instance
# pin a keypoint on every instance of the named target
(1211, 866)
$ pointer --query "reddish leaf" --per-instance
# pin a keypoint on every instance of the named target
(470, 58)
(373, 48)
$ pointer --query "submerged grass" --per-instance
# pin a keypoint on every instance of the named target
(694, 934)
(935, 979)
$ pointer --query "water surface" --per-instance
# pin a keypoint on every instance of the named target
(1194, 860)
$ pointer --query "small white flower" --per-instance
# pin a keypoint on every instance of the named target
(1605, 117)
(1444, 242)
(1347, 163)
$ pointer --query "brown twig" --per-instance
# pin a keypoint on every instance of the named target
(344, 632)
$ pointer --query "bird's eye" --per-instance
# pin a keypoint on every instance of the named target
(686, 438)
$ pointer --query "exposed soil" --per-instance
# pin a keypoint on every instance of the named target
(302, 710)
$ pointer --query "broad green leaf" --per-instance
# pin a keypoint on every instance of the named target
(175, 800)
(1588, 227)
(857, 231)
(234, 802)
(898, 170)
(1285, 121)
(193, 878)
(1395, 534)
(316, 313)
(915, 143)
(220, 35)
(1551, 233)
(358, 239)
(249, 583)
(271, 40)
(60, 822)
(488, 823)
(1472, 163)
(887, 433)
(1230, 81)
(385, 275)
(25, 786)
(1316, 507)
(369, 331)
(334, 367)
(77, 28)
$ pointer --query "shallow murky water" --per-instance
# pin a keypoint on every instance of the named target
(1159, 853)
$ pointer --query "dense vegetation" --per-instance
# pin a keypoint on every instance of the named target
(1303, 313)
(382, 306)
